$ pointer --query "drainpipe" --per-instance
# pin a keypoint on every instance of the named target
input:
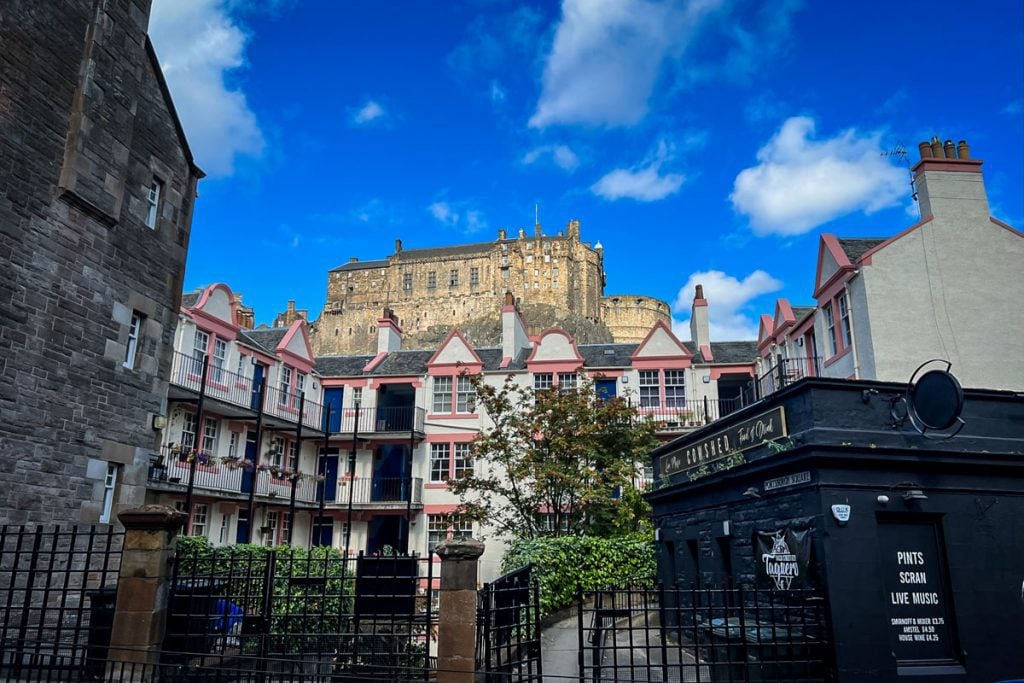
(195, 454)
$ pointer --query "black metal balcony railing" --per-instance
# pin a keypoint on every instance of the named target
(381, 420)
(380, 490)
(686, 414)
(239, 390)
(226, 476)
(785, 372)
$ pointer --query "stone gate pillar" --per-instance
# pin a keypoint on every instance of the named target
(140, 616)
(456, 628)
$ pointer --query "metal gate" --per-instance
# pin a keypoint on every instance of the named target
(724, 635)
(508, 629)
(249, 614)
(58, 586)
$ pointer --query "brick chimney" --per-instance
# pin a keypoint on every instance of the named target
(514, 336)
(389, 334)
(700, 329)
(949, 181)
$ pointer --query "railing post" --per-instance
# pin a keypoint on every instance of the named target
(456, 624)
(254, 482)
(143, 592)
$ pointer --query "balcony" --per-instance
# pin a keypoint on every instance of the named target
(786, 372)
(370, 421)
(171, 472)
(238, 391)
(688, 414)
(380, 492)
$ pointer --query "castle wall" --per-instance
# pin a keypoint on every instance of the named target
(629, 317)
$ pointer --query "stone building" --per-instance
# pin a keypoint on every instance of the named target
(556, 280)
(97, 185)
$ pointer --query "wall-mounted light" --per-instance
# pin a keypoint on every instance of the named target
(752, 492)
(707, 379)
(159, 421)
(914, 494)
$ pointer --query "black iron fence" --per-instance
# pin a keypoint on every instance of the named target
(301, 615)
(689, 414)
(508, 629)
(57, 592)
(724, 635)
(785, 372)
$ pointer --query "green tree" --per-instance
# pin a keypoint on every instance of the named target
(556, 462)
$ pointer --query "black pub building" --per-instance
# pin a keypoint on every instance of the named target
(914, 537)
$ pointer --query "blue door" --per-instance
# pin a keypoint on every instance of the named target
(604, 388)
(332, 398)
(330, 478)
(388, 473)
(258, 373)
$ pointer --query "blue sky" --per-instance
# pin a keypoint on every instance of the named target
(699, 141)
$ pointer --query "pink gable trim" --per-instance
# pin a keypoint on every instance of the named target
(764, 331)
(662, 363)
(865, 259)
(296, 327)
(211, 323)
(375, 361)
(205, 296)
(1005, 226)
(705, 350)
(433, 367)
(685, 352)
(505, 362)
(830, 244)
(540, 340)
(783, 316)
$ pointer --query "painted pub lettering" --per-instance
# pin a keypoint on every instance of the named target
(746, 434)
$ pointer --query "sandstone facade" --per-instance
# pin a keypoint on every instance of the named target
(96, 194)
(556, 280)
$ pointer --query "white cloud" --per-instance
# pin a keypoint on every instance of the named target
(644, 182)
(606, 58)
(368, 113)
(199, 44)
(498, 94)
(801, 183)
(729, 303)
(561, 155)
(458, 215)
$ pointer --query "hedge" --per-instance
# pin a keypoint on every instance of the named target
(566, 563)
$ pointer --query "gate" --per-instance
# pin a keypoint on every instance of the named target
(508, 646)
(721, 635)
(57, 592)
(245, 614)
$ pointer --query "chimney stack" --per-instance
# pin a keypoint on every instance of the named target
(948, 180)
(700, 329)
(514, 336)
(389, 334)
(502, 234)
(398, 246)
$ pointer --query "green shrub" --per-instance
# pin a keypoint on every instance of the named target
(566, 563)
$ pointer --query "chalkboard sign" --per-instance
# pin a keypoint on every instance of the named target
(920, 608)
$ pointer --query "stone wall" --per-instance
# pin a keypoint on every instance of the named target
(85, 128)
(630, 317)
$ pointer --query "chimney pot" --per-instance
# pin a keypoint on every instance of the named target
(949, 149)
(699, 294)
(925, 149)
(962, 150)
(937, 148)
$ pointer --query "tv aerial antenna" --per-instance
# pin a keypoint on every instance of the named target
(899, 152)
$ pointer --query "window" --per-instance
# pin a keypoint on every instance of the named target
(474, 276)
(462, 465)
(286, 525)
(844, 318)
(357, 395)
(240, 370)
(225, 529)
(542, 381)
(649, 397)
(462, 528)
(830, 325)
(675, 395)
(153, 202)
(188, 433)
(293, 456)
(300, 384)
(529, 258)
(210, 428)
(220, 354)
(133, 340)
(276, 452)
(109, 485)
(432, 280)
(440, 454)
(437, 531)
(453, 278)
(199, 346)
(270, 528)
(233, 445)
(442, 395)
(200, 519)
(566, 381)
(407, 282)
(284, 385)
(465, 395)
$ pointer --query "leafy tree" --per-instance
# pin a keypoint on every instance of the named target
(568, 453)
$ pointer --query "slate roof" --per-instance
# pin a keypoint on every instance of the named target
(857, 247)
(360, 265)
(265, 339)
(801, 313)
(607, 355)
(341, 366)
(734, 351)
(189, 300)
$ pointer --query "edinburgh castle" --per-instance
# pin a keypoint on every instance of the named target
(556, 281)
